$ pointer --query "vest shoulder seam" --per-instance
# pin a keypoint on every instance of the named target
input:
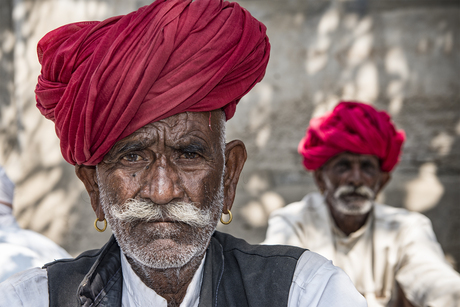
(67, 260)
(263, 256)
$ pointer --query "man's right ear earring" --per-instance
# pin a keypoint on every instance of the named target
(230, 218)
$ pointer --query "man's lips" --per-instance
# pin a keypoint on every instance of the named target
(354, 196)
(161, 224)
(164, 221)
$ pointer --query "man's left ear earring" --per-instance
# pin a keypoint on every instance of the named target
(99, 229)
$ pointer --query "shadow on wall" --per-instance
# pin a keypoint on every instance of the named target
(8, 127)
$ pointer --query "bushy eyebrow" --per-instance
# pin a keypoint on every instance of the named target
(193, 147)
(129, 146)
(347, 161)
(342, 160)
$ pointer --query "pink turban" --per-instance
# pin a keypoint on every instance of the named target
(101, 81)
(352, 127)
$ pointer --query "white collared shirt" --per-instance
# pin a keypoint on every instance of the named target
(137, 294)
(395, 246)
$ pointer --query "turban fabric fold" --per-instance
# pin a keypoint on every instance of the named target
(352, 127)
(101, 81)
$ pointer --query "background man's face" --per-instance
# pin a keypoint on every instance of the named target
(351, 182)
(161, 188)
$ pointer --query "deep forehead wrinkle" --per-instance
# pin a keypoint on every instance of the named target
(193, 124)
(187, 121)
(175, 120)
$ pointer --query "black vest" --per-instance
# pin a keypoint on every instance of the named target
(236, 274)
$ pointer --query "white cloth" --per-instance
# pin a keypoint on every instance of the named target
(6, 188)
(316, 282)
(393, 245)
(22, 249)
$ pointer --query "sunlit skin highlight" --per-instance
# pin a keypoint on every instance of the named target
(181, 159)
(350, 182)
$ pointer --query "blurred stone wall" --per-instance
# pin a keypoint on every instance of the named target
(401, 56)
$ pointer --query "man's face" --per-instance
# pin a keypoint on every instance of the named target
(351, 182)
(161, 188)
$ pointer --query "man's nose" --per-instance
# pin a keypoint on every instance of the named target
(356, 176)
(162, 183)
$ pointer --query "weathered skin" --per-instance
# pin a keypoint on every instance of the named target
(350, 169)
(178, 159)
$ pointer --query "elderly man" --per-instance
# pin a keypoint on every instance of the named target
(390, 254)
(20, 249)
(140, 103)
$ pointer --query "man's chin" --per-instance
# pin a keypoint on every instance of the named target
(354, 207)
(167, 254)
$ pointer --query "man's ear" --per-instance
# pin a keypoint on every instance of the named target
(235, 156)
(384, 179)
(87, 175)
(318, 175)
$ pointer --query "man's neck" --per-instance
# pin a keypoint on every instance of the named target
(348, 223)
(171, 283)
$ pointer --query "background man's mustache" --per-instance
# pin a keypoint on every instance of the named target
(188, 213)
(349, 189)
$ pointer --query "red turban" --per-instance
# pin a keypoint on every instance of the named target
(352, 127)
(101, 81)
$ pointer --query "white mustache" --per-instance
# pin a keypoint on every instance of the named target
(184, 212)
(349, 189)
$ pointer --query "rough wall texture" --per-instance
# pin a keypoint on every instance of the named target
(401, 56)
(7, 107)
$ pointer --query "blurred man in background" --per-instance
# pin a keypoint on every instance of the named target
(391, 254)
(20, 249)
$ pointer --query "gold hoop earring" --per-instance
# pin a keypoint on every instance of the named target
(99, 229)
(230, 218)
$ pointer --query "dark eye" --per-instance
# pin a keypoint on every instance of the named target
(342, 166)
(368, 166)
(189, 155)
(132, 157)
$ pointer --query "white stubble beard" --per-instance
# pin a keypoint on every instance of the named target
(184, 252)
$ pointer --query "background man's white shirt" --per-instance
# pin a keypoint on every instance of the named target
(393, 245)
(21, 249)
